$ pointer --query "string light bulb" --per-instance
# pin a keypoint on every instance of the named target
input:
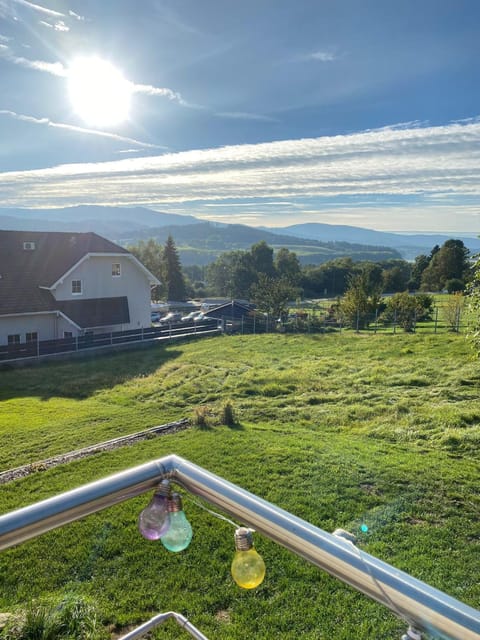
(248, 567)
(154, 520)
(179, 533)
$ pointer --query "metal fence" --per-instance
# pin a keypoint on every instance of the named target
(42, 348)
(324, 320)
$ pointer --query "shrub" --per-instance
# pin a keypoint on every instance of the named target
(201, 415)
(454, 285)
(406, 310)
(228, 414)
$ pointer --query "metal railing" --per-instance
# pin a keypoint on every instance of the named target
(424, 608)
(38, 349)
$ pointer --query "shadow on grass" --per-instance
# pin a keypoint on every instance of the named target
(79, 379)
(236, 426)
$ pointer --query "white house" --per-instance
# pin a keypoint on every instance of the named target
(58, 285)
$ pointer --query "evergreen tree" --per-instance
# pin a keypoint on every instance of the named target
(175, 288)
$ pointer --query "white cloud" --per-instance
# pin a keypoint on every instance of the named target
(76, 15)
(245, 115)
(150, 90)
(398, 162)
(70, 127)
(321, 56)
(56, 26)
(40, 9)
(53, 68)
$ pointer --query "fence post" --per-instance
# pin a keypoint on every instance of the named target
(254, 323)
(415, 321)
(358, 320)
(395, 321)
(436, 319)
(376, 321)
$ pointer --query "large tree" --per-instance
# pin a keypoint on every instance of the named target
(175, 288)
(272, 295)
(150, 254)
(231, 274)
(287, 266)
(262, 258)
(449, 262)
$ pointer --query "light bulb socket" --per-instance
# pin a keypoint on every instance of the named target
(175, 503)
(243, 539)
(163, 489)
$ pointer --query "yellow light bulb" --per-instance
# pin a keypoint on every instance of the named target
(248, 567)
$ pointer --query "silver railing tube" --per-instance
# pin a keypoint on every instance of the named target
(424, 607)
(161, 618)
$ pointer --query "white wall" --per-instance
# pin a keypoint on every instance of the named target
(98, 282)
(43, 324)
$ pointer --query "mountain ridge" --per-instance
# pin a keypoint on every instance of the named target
(129, 225)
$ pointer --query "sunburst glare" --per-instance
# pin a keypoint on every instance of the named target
(99, 93)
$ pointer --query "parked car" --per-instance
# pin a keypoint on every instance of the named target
(156, 316)
(191, 316)
(172, 316)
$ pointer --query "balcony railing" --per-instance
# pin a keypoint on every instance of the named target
(424, 609)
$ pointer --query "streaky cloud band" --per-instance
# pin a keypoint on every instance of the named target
(397, 161)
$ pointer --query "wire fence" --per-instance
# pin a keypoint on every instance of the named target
(318, 320)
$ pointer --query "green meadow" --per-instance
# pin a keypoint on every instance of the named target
(339, 429)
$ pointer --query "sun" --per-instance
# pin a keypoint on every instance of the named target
(99, 93)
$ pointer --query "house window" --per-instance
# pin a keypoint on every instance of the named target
(68, 334)
(31, 337)
(14, 338)
(29, 246)
(76, 287)
(116, 270)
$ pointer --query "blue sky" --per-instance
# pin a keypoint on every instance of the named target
(265, 112)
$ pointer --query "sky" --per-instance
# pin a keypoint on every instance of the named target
(261, 112)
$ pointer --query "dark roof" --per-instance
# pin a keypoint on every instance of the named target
(96, 312)
(231, 311)
(22, 272)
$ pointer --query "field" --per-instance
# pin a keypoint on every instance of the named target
(340, 429)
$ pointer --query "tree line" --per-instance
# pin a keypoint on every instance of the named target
(247, 274)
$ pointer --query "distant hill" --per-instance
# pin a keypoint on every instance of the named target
(111, 222)
(203, 242)
(409, 245)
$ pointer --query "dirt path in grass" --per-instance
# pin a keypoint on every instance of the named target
(108, 445)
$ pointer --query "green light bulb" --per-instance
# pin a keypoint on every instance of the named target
(248, 567)
(179, 533)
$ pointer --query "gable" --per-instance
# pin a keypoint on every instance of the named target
(30, 260)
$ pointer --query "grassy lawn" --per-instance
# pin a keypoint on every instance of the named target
(339, 429)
